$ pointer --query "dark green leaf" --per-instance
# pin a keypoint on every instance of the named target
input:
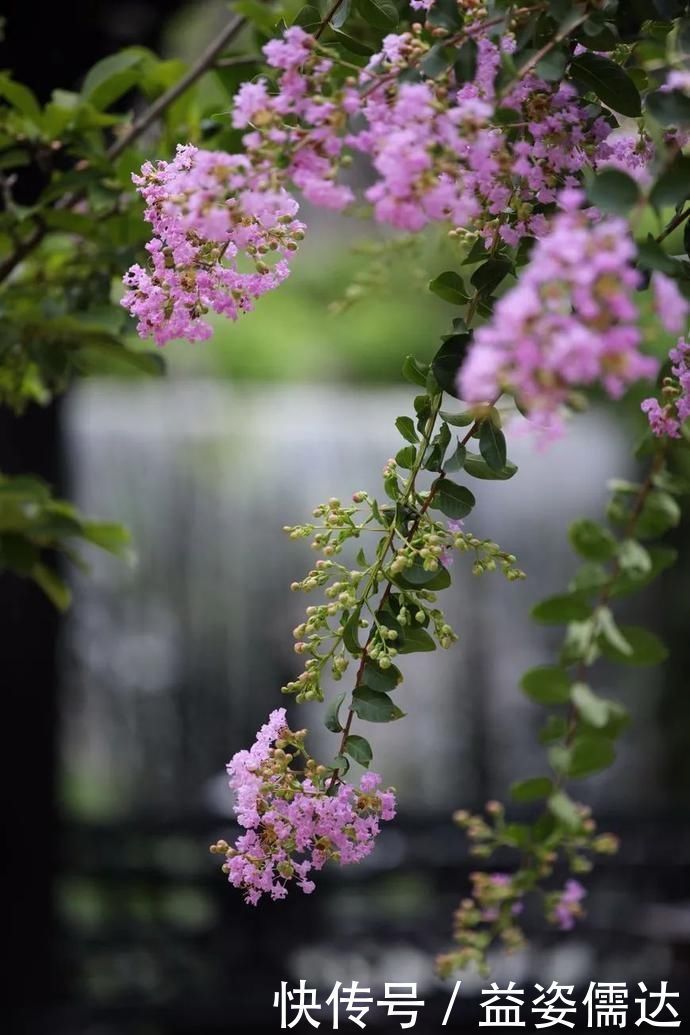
(477, 467)
(405, 426)
(455, 501)
(332, 719)
(359, 749)
(645, 647)
(614, 191)
(611, 84)
(416, 639)
(590, 754)
(405, 457)
(414, 371)
(382, 14)
(382, 680)
(450, 287)
(448, 360)
(547, 684)
(673, 185)
(566, 607)
(490, 274)
(372, 706)
(592, 540)
(670, 108)
(531, 790)
(492, 445)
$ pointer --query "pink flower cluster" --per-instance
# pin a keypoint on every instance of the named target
(567, 907)
(436, 154)
(300, 127)
(571, 320)
(295, 822)
(666, 418)
(209, 211)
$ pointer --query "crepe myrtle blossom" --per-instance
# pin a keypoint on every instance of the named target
(566, 907)
(570, 321)
(669, 305)
(209, 212)
(295, 821)
(436, 154)
(667, 417)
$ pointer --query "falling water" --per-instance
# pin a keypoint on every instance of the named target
(171, 663)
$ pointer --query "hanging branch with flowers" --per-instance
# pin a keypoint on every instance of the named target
(547, 141)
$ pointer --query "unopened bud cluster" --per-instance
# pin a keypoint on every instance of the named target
(490, 913)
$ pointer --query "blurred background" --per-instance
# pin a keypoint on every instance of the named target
(123, 714)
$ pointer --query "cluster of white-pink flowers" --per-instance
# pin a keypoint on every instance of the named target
(209, 212)
(571, 320)
(295, 822)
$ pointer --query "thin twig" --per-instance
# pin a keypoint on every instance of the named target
(203, 63)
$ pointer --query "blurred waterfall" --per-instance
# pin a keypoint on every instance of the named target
(171, 664)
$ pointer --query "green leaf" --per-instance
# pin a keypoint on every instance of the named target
(457, 420)
(610, 633)
(416, 639)
(645, 647)
(111, 537)
(633, 559)
(448, 361)
(405, 457)
(566, 607)
(308, 17)
(673, 185)
(354, 46)
(405, 426)
(670, 109)
(455, 501)
(531, 790)
(476, 466)
(614, 191)
(492, 445)
(456, 460)
(611, 84)
(359, 749)
(593, 709)
(263, 16)
(590, 754)
(332, 719)
(661, 558)
(651, 256)
(564, 810)
(111, 77)
(414, 371)
(592, 540)
(465, 64)
(20, 97)
(553, 729)
(382, 14)
(380, 679)
(546, 684)
(450, 287)
(52, 585)
(490, 274)
(659, 513)
(351, 634)
(372, 706)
